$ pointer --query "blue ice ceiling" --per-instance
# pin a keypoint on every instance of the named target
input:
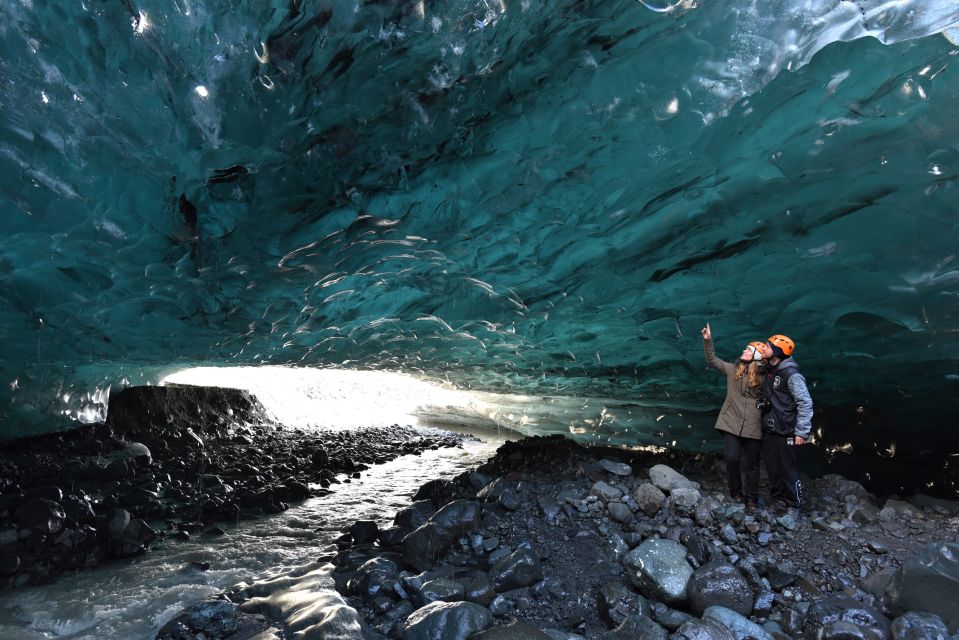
(549, 197)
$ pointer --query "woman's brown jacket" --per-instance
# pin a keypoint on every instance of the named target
(739, 415)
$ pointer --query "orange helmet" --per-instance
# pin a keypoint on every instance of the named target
(757, 346)
(782, 343)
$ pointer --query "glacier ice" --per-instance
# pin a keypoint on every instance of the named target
(545, 198)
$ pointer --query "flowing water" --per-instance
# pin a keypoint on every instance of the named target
(133, 600)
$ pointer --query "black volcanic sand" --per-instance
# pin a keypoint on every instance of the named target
(550, 540)
(169, 462)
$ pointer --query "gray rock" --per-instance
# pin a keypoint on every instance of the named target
(519, 569)
(415, 515)
(516, 630)
(742, 628)
(929, 582)
(509, 500)
(435, 537)
(618, 511)
(215, 618)
(119, 519)
(616, 468)
(919, 626)
(446, 621)
(669, 618)
(441, 589)
(649, 498)
(684, 499)
(367, 581)
(703, 630)
(617, 602)
(948, 507)
(636, 626)
(480, 591)
(364, 531)
(605, 492)
(823, 613)
(556, 634)
(718, 583)
(728, 534)
(658, 569)
(667, 479)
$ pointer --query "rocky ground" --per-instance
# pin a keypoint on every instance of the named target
(74, 500)
(549, 540)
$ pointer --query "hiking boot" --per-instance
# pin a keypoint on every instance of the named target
(779, 507)
(737, 498)
(751, 507)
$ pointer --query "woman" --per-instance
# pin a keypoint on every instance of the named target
(739, 419)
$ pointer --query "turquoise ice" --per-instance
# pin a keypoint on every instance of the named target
(545, 197)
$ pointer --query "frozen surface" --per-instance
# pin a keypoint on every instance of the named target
(544, 198)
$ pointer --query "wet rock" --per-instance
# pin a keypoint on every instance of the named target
(658, 569)
(822, 616)
(940, 505)
(78, 509)
(519, 569)
(516, 630)
(213, 617)
(616, 468)
(435, 537)
(441, 589)
(320, 458)
(446, 621)
(929, 582)
(364, 531)
(919, 626)
(43, 516)
(617, 602)
(667, 479)
(728, 534)
(718, 583)
(415, 515)
(696, 546)
(480, 591)
(669, 618)
(636, 626)
(45, 492)
(742, 628)
(703, 630)
(649, 498)
(781, 575)
(367, 581)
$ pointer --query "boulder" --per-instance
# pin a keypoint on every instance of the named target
(658, 569)
(636, 626)
(516, 630)
(719, 584)
(822, 616)
(212, 617)
(369, 577)
(703, 630)
(519, 569)
(616, 468)
(919, 626)
(364, 531)
(649, 498)
(742, 628)
(446, 621)
(684, 499)
(605, 492)
(617, 602)
(930, 583)
(434, 538)
(667, 479)
(415, 515)
(441, 589)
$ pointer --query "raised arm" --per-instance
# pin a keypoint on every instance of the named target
(800, 393)
(711, 358)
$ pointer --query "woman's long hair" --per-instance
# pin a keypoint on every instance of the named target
(752, 371)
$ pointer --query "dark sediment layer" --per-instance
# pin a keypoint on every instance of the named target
(169, 461)
(549, 540)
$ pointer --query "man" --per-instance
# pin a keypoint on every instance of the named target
(786, 421)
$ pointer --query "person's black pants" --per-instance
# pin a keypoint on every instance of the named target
(742, 463)
(781, 456)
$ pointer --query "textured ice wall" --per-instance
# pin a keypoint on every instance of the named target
(546, 197)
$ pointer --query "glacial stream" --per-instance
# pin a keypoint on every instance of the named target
(132, 600)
